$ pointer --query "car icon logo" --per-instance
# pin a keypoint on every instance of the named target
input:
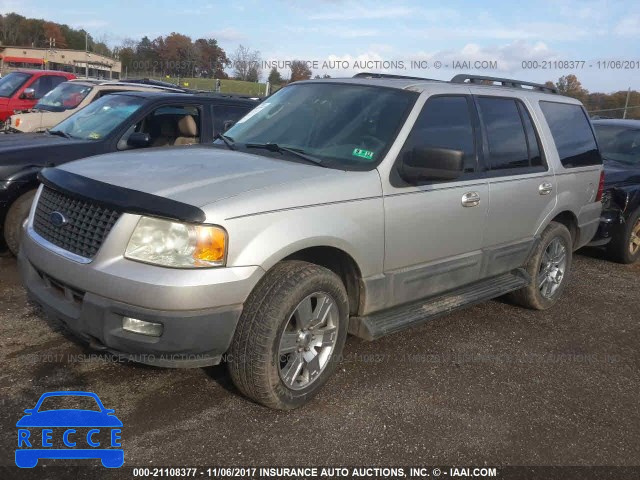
(69, 433)
(57, 219)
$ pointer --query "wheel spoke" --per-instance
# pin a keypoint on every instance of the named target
(325, 337)
(542, 279)
(312, 360)
(288, 342)
(292, 369)
(562, 255)
(323, 307)
(304, 313)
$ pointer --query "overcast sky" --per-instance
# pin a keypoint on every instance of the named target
(507, 33)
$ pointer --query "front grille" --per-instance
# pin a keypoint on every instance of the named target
(87, 223)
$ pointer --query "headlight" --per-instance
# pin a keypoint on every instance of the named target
(180, 245)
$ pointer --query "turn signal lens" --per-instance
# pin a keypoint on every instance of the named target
(210, 244)
(17, 124)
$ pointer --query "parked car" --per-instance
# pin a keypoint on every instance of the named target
(619, 230)
(66, 99)
(116, 122)
(363, 206)
(21, 90)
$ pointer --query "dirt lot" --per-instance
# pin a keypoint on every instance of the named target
(493, 384)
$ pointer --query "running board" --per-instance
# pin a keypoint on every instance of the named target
(379, 324)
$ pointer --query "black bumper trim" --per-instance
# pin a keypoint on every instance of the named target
(119, 198)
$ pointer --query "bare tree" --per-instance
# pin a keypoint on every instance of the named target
(246, 63)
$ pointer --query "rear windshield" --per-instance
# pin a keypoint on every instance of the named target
(572, 134)
(619, 143)
(65, 96)
(12, 82)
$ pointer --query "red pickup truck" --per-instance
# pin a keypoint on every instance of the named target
(21, 90)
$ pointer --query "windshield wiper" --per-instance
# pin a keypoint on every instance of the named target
(274, 147)
(227, 140)
(59, 133)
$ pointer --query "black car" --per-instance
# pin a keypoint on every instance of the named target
(619, 142)
(120, 121)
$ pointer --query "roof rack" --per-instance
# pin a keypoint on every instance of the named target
(505, 82)
(157, 87)
(390, 75)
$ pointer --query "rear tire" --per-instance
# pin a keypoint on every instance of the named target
(17, 214)
(290, 335)
(625, 244)
(549, 267)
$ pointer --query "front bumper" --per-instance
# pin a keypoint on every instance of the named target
(199, 309)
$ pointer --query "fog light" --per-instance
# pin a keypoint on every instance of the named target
(141, 326)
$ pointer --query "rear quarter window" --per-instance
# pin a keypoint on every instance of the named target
(572, 134)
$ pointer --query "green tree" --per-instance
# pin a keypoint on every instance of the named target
(300, 71)
(274, 77)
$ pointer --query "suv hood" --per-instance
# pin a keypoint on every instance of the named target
(196, 175)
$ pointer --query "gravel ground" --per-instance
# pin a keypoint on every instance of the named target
(493, 384)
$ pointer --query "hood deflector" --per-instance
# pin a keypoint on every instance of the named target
(119, 198)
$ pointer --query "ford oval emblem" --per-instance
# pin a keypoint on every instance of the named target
(57, 219)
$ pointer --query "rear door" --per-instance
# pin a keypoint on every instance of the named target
(522, 187)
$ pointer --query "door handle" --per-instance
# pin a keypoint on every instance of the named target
(471, 199)
(545, 188)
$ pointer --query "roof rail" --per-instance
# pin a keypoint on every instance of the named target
(157, 87)
(505, 82)
(390, 75)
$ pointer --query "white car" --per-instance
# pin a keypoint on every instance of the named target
(66, 99)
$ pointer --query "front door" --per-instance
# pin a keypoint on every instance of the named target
(434, 231)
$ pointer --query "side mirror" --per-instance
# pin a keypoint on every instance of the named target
(29, 410)
(139, 140)
(431, 163)
(28, 94)
(227, 125)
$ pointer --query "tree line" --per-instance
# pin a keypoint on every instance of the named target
(603, 105)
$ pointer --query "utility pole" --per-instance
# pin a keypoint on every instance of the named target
(86, 54)
(626, 104)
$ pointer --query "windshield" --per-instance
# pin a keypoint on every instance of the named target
(65, 96)
(619, 143)
(67, 402)
(12, 82)
(100, 118)
(341, 125)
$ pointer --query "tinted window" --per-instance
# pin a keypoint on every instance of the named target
(532, 139)
(226, 113)
(445, 122)
(572, 134)
(505, 133)
(45, 84)
(9, 84)
(619, 143)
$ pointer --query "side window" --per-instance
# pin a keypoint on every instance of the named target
(572, 134)
(445, 122)
(168, 125)
(45, 84)
(505, 133)
(226, 113)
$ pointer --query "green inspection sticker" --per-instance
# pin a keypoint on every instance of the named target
(358, 152)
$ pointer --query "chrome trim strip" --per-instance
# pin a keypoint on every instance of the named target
(56, 249)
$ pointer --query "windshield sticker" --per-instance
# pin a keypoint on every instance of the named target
(94, 136)
(256, 110)
(359, 152)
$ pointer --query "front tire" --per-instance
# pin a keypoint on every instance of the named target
(625, 244)
(16, 216)
(290, 335)
(549, 268)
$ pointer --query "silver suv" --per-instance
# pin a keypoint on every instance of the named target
(355, 206)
